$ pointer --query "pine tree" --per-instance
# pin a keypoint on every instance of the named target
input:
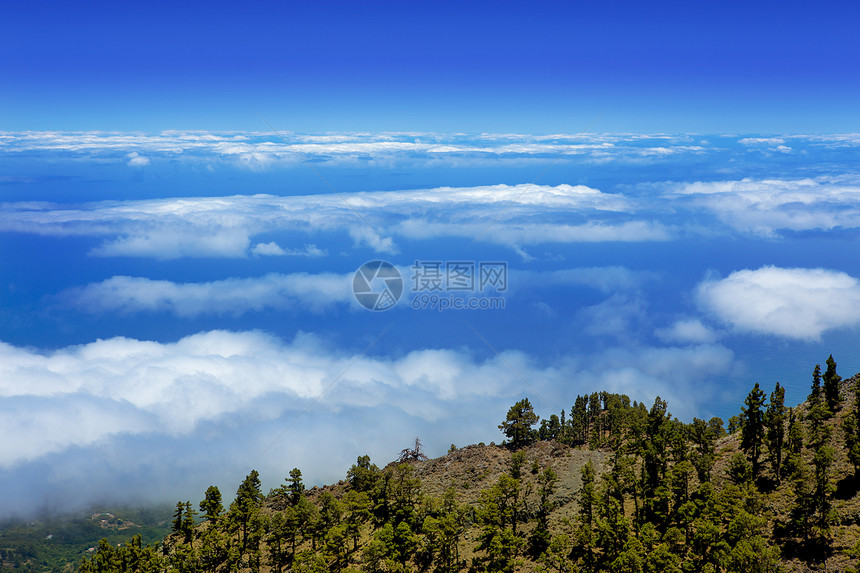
(518, 459)
(188, 522)
(557, 556)
(357, 504)
(564, 433)
(594, 420)
(177, 517)
(498, 515)
(277, 542)
(815, 394)
(851, 427)
(579, 420)
(587, 495)
(823, 460)
(295, 487)
(753, 428)
(818, 411)
(211, 505)
(443, 529)
(246, 507)
(362, 475)
(703, 436)
(775, 421)
(540, 537)
(794, 446)
(518, 423)
(831, 385)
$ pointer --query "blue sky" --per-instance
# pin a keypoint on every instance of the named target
(440, 66)
(674, 192)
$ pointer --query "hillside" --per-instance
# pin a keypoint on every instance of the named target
(615, 486)
(57, 542)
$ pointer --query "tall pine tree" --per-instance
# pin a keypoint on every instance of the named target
(851, 427)
(753, 428)
(831, 385)
(518, 423)
(775, 420)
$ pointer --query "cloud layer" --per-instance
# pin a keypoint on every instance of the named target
(514, 216)
(769, 206)
(225, 226)
(123, 294)
(790, 302)
(262, 150)
(232, 394)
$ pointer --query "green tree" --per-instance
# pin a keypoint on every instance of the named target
(740, 471)
(357, 505)
(579, 420)
(794, 445)
(703, 436)
(587, 494)
(594, 419)
(188, 522)
(735, 423)
(501, 548)
(831, 385)
(245, 509)
(557, 556)
(815, 393)
(817, 412)
(518, 423)
(443, 529)
(215, 551)
(541, 535)
(775, 422)
(753, 429)
(295, 487)
(803, 510)
(518, 459)
(278, 542)
(653, 447)
(851, 427)
(211, 505)
(177, 517)
(823, 460)
(363, 474)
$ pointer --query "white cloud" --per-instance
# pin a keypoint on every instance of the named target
(768, 206)
(233, 296)
(177, 243)
(314, 292)
(137, 160)
(210, 406)
(268, 249)
(673, 373)
(261, 150)
(516, 234)
(687, 331)
(364, 235)
(226, 226)
(274, 249)
(116, 386)
(619, 316)
(794, 303)
(761, 141)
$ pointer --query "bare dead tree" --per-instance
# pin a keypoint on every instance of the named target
(413, 454)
